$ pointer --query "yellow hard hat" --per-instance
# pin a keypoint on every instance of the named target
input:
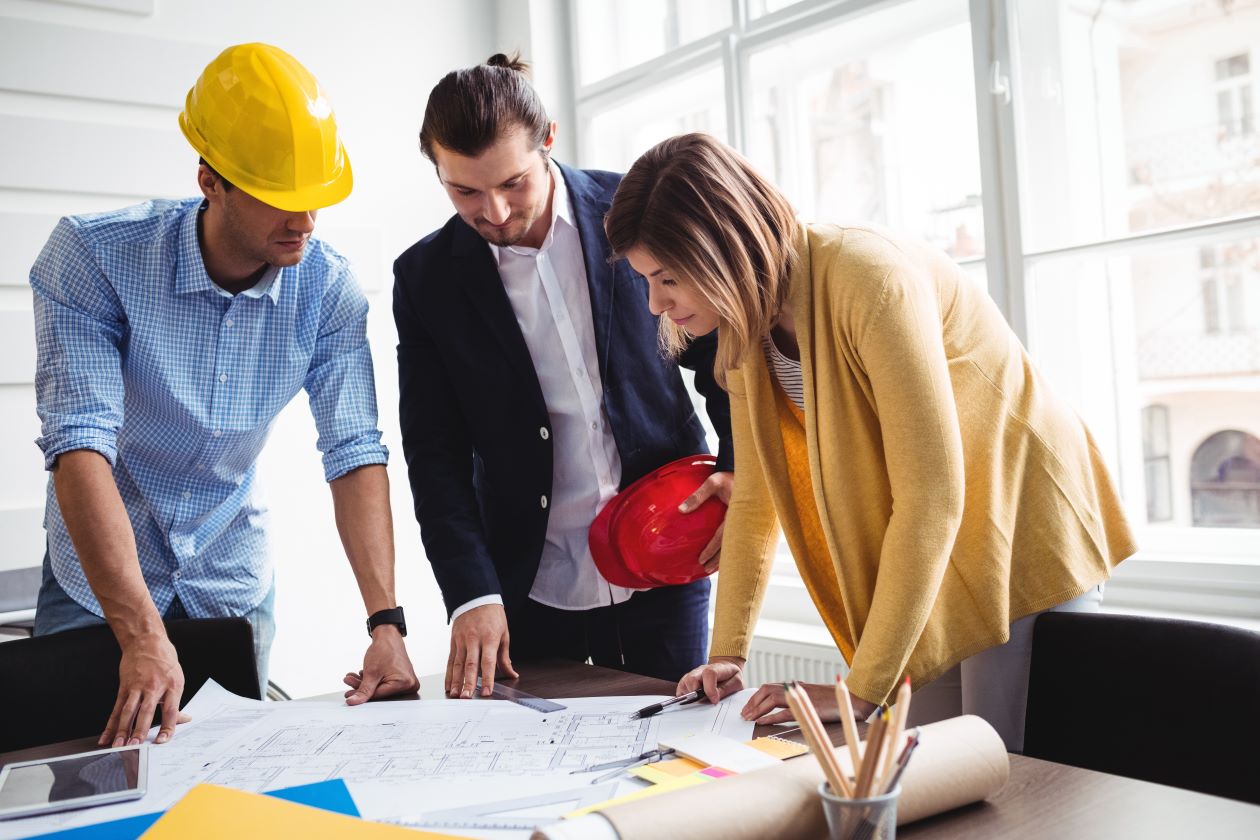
(261, 120)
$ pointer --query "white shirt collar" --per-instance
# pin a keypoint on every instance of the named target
(561, 209)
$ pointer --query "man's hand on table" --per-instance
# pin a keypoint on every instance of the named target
(386, 669)
(149, 675)
(479, 645)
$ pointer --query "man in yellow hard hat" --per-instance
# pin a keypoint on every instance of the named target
(169, 336)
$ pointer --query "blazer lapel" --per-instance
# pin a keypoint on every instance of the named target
(477, 272)
(589, 208)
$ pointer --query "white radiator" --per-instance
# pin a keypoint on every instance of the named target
(779, 660)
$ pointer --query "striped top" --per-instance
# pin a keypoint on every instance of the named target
(786, 371)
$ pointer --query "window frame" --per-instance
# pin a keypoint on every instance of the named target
(1007, 262)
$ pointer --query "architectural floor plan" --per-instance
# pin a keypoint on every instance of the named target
(400, 759)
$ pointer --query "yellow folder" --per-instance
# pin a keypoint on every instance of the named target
(210, 811)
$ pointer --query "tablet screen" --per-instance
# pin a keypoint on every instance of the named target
(62, 780)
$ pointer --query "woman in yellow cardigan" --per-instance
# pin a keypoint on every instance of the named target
(932, 489)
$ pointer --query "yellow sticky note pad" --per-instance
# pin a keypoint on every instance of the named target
(778, 747)
(208, 812)
(677, 768)
(674, 768)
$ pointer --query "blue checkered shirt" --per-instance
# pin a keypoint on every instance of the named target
(142, 358)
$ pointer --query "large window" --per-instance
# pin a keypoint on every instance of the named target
(1094, 163)
(874, 119)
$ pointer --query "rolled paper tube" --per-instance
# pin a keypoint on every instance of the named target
(959, 761)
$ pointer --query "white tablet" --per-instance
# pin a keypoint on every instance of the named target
(74, 781)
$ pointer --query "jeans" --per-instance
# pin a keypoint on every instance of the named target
(56, 611)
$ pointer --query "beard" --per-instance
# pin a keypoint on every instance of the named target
(511, 235)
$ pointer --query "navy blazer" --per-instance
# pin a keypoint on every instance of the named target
(472, 410)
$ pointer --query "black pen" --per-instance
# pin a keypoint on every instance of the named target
(655, 708)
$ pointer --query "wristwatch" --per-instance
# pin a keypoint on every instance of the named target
(394, 616)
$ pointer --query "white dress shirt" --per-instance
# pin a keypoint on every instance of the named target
(547, 288)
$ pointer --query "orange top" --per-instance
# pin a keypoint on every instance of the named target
(814, 562)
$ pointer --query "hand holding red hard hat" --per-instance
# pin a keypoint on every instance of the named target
(720, 484)
(641, 539)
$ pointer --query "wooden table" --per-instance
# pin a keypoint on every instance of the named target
(1041, 800)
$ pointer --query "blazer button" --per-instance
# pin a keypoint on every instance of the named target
(543, 502)
(543, 433)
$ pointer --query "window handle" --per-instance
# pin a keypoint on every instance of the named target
(999, 83)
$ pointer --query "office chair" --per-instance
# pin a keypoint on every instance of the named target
(19, 589)
(1163, 700)
(63, 685)
(19, 592)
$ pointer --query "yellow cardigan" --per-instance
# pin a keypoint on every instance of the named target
(956, 492)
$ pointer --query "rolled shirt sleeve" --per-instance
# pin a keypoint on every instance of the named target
(79, 328)
(341, 384)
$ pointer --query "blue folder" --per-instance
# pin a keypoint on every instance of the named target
(332, 795)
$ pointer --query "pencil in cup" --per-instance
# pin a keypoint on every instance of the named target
(900, 711)
(871, 756)
(807, 706)
(850, 723)
(816, 737)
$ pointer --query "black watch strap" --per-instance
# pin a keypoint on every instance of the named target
(394, 616)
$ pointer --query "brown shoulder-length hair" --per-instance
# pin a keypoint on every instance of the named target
(702, 211)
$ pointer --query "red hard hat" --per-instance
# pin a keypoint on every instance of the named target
(641, 540)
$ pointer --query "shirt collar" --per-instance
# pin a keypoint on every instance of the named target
(561, 210)
(190, 268)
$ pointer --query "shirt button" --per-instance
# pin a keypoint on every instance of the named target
(543, 433)
(217, 433)
(544, 502)
(187, 495)
(223, 377)
(228, 322)
(177, 574)
(595, 427)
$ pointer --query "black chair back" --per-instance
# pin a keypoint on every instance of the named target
(1163, 700)
(63, 685)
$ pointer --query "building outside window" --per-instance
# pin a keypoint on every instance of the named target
(1225, 481)
(1234, 110)
(1157, 463)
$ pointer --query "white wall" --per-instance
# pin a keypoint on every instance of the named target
(89, 95)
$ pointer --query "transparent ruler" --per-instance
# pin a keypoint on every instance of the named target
(524, 698)
(522, 814)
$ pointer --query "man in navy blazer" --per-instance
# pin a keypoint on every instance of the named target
(532, 389)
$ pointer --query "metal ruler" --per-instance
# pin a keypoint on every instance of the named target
(524, 698)
(507, 815)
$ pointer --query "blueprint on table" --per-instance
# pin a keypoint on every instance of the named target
(403, 758)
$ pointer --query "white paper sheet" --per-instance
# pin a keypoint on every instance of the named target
(402, 758)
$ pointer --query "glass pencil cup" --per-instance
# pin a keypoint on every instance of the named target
(873, 818)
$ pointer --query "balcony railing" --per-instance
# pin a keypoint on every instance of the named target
(1203, 152)
(1178, 355)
